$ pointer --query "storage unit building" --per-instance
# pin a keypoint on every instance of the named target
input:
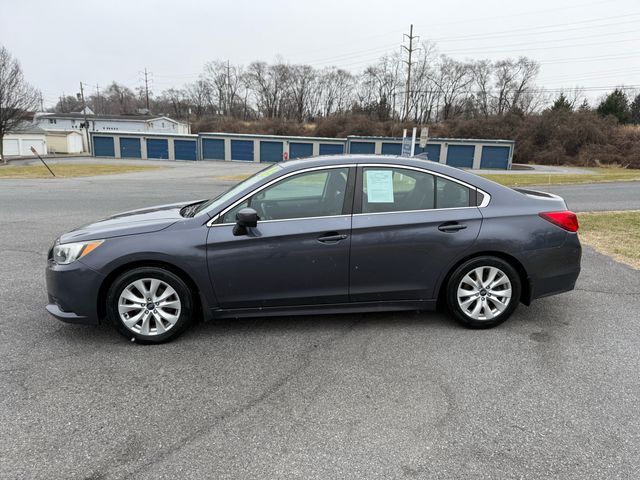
(461, 153)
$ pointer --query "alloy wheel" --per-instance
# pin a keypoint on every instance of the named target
(149, 306)
(484, 293)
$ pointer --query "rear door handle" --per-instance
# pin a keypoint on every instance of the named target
(451, 227)
(331, 237)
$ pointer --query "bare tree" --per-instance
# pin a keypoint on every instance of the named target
(17, 97)
(482, 72)
(199, 97)
(268, 83)
(453, 82)
(514, 84)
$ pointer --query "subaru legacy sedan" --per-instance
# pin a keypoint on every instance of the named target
(322, 235)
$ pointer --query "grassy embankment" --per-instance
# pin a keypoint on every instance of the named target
(613, 233)
(69, 170)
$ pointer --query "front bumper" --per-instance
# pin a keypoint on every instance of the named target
(73, 292)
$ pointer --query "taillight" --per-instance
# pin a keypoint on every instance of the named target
(566, 219)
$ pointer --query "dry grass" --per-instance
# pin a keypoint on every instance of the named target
(599, 175)
(613, 233)
(69, 170)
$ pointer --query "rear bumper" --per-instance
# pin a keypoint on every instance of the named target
(73, 292)
(555, 270)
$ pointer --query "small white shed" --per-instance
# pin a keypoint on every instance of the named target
(69, 141)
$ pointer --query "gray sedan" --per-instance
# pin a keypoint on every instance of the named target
(323, 235)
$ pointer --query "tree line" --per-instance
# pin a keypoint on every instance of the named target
(441, 88)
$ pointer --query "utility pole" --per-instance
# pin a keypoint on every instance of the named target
(410, 49)
(228, 113)
(98, 101)
(146, 86)
(86, 122)
(41, 103)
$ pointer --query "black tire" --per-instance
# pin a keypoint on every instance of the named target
(470, 265)
(181, 289)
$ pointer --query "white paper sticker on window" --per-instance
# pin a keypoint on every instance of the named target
(379, 186)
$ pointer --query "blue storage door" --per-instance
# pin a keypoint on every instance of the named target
(392, 148)
(300, 150)
(130, 148)
(494, 157)
(362, 147)
(184, 149)
(460, 156)
(157, 148)
(432, 149)
(212, 149)
(331, 149)
(271, 151)
(242, 150)
(103, 147)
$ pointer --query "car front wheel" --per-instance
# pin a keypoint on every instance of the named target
(149, 304)
(483, 292)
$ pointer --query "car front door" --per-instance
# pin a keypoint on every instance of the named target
(408, 226)
(298, 254)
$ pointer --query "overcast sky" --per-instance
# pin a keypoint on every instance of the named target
(593, 44)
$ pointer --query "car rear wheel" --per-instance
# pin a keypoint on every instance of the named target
(149, 304)
(483, 292)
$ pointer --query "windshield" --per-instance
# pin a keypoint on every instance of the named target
(220, 200)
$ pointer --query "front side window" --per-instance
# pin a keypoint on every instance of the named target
(309, 194)
(388, 189)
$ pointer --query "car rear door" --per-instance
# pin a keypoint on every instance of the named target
(299, 252)
(408, 226)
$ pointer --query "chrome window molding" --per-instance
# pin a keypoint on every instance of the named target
(423, 210)
(485, 201)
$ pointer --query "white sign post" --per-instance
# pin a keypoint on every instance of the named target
(413, 141)
(407, 151)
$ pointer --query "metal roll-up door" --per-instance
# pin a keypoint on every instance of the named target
(130, 148)
(300, 150)
(103, 147)
(184, 149)
(158, 148)
(271, 151)
(460, 156)
(494, 157)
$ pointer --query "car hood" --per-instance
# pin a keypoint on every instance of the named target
(145, 220)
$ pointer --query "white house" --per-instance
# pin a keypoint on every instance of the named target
(110, 123)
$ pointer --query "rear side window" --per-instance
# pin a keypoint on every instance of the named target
(451, 194)
(388, 189)
(396, 190)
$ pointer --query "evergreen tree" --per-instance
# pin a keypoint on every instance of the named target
(635, 110)
(562, 104)
(616, 104)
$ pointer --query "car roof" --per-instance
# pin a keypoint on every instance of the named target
(417, 161)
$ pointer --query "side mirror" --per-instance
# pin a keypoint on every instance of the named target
(245, 218)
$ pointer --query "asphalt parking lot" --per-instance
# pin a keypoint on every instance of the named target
(552, 393)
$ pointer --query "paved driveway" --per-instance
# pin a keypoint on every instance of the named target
(553, 393)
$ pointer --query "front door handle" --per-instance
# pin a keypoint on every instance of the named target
(331, 237)
(451, 227)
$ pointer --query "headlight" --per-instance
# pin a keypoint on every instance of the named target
(70, 252)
